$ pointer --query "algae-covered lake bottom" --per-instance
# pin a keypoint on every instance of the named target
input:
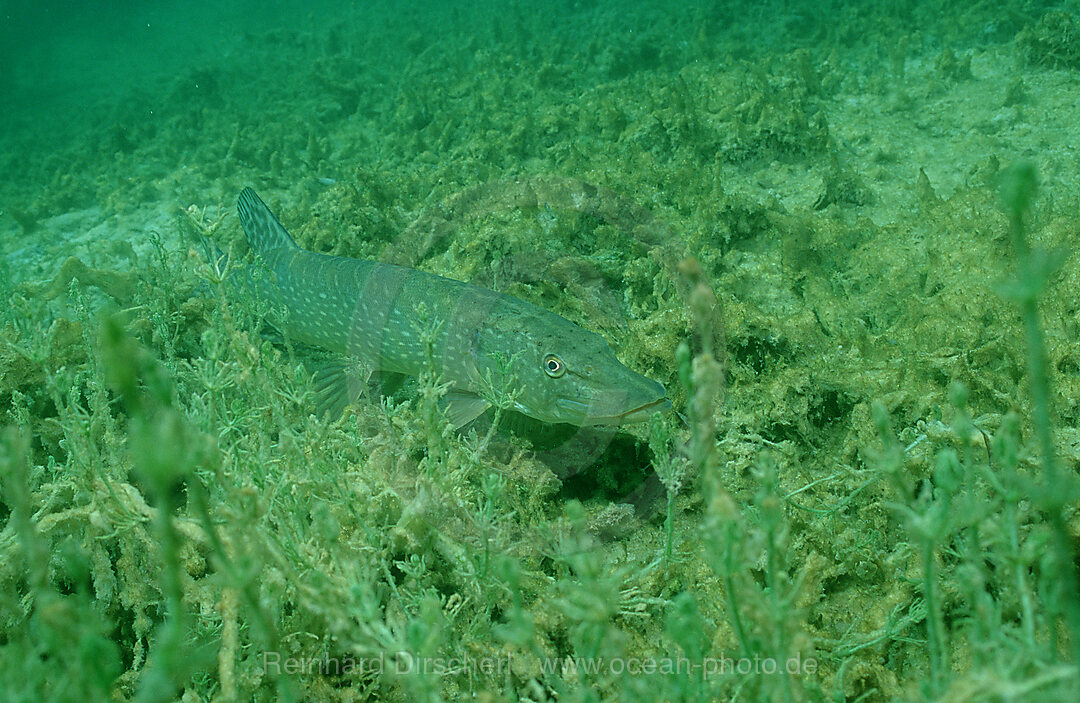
(814, 225)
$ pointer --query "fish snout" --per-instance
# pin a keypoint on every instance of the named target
(633, 401)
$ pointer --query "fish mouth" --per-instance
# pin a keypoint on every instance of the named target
(640, 413)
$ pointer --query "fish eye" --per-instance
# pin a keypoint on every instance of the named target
(554, 366)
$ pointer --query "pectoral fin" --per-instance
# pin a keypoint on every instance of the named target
(462, 407)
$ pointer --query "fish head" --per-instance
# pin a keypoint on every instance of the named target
(560, 372)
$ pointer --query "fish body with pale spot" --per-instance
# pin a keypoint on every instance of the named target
(377, 314)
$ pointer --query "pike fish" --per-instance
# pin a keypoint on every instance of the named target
(392, 318)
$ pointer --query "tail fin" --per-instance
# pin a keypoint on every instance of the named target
(264, 232)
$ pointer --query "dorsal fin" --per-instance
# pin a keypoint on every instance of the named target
(264, 232)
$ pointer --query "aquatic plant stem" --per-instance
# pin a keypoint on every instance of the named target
(1018, 190)
(669, 522)
(933, 632)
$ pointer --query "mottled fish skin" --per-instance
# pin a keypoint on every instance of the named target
(374, 313)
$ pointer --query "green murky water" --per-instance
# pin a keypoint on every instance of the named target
(786, 213)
